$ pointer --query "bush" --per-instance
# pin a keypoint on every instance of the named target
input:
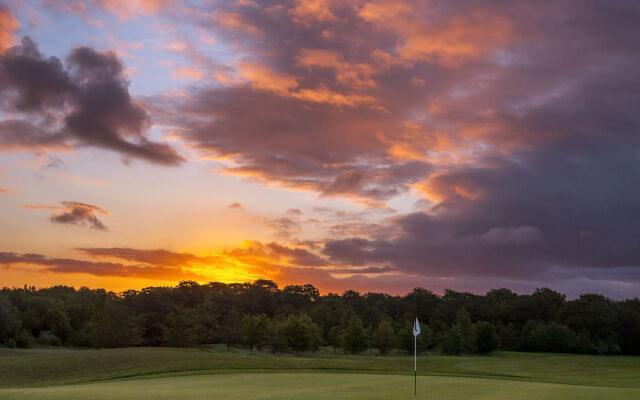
(553, 337)
(23, 340)
(11, 343)
(487, 339)
(48, 338)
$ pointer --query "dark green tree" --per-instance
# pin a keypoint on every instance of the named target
(277, 337)
(181, 329)
(231, 328)
(452, 341)
(467, 331)
(355, 338)
(301, 333)
(384, 338)
(114, 325)
(335, 337)
(255, 331)
(10, 324)
(487, 339)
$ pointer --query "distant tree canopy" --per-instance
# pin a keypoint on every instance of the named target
(297, 318)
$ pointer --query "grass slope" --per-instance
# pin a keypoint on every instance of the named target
(165, 373)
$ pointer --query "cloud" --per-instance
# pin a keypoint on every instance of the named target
(523, 142)
(235, 206)
(152, 257)
(8, 28)
(97, 268)
(73, 213)
(86, 103)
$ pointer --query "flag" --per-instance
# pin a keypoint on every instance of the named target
(416, 328)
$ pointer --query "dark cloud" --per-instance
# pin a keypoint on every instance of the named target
(72, 212)
(235, 206)
(75, 213)
(153, 257)
(276, 254)
(85, 103)
(98, 268)
(517, 123)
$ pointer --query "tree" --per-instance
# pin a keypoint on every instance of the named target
(181, 329)
(335, 337)
(10, 323)
(486, 337)
(255, 330)
(466, 330)
(114, 325)
(301, 333)
(355, 337)
(452, 341)
(231, 328)
(384, 338)
(276, 333)
(553, 337)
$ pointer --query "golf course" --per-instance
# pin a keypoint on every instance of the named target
(206, 373)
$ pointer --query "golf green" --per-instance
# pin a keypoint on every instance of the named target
(217, 373)
(316, 386)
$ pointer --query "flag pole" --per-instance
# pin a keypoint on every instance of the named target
(416, 332)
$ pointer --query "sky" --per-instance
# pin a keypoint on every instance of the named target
(374, 145)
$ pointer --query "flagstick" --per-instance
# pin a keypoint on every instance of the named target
(415, 365)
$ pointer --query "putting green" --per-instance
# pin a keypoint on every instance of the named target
(316, 386)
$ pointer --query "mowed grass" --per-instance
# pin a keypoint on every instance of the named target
(317, 386)
(166, 373)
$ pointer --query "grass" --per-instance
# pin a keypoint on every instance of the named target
(166, 373)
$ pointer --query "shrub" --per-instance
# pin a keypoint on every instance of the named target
(48, 338)
(23, 340)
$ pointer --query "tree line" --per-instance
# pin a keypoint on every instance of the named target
(296, 318)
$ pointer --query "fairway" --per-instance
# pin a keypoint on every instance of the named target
(166, 373)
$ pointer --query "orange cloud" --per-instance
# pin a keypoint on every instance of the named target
(186, 73)
(262, 77)
(234, 20)
(353, 74)
(319, 10)
(8, 28)
(448, 42)
(126, 9)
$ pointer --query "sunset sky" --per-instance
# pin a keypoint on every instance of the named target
(367, 145)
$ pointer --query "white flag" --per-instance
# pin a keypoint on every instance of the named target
(416, 328)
